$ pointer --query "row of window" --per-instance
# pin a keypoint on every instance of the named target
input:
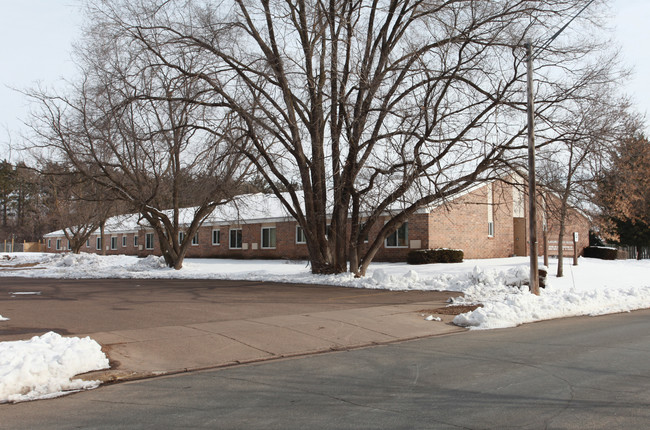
(397, 239)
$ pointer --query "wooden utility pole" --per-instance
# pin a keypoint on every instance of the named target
(532, 192)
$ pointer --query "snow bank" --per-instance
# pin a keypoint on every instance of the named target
(42, 367)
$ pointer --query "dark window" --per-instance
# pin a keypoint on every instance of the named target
(236, 238)
(148, 241)
(399, 238)
(268, 237)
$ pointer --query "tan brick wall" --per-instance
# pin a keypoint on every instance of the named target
(463, 224)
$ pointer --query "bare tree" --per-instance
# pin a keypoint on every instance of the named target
(581, 132)
(363, 112)
(76, 204)
(141, 132)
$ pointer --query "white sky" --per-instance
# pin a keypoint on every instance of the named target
(36, 38)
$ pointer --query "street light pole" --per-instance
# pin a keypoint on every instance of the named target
(532, 193)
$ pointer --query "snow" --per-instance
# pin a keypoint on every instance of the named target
(594, 287)
(43, 366)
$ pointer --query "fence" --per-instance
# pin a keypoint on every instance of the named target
(630, 252)
(15, 246)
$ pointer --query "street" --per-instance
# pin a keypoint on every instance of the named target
(589, 372)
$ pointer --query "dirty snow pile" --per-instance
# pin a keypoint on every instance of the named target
(43, 366)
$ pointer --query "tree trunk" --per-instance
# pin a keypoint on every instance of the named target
(560, 248)
(102, 238)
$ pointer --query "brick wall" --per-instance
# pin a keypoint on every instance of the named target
(462, 224)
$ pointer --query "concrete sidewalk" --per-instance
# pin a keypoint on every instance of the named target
(158, 327)
(155, 351)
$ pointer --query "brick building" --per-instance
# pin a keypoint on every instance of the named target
(489, 220)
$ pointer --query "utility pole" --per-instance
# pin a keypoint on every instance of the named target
(532, 192)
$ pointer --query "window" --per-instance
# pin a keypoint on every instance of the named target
(148, 241)
(399, 238)
(181, 237)
(98, 243)
(490, 228)
(69, 244)
(113, 242)
(235, 238)
(124, 241)
(58, 244)
(216, 237)
(268, 237)
(300, 235)
(135, 240)
(49, 243)
(87, 243)
(195, 239)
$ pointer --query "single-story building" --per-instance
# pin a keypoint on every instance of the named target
(488, 220)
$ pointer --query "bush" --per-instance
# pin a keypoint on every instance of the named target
(601, 252)
(428, 256)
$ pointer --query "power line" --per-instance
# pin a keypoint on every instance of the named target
(557, 33)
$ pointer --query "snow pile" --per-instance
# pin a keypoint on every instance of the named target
(507, 301)
(42, 367)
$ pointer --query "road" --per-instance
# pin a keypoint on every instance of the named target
(577, 373)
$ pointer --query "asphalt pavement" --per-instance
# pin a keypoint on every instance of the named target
(575, 373)
(160, 327)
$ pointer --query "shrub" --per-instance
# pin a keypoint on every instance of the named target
(428, 256)
(601, 252)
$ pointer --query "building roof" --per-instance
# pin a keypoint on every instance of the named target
(243, 209)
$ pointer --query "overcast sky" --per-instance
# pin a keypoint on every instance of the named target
(36, 38)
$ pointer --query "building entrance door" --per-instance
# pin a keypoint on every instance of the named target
(519, 236)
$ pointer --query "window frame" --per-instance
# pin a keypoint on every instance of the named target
(300, 232)
(271, 237)
(396, 233)
(58, 245)
(113, 243)
(98, 243)
(135, 240)
(241, 238)
(195, 239)
(217, 237)
(149, 237)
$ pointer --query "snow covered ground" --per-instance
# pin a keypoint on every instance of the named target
(594, 287)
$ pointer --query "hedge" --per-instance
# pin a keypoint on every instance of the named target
(428, 256)
(600, 252)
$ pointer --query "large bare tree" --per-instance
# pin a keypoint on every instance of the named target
(365, 112)
(142, 132)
